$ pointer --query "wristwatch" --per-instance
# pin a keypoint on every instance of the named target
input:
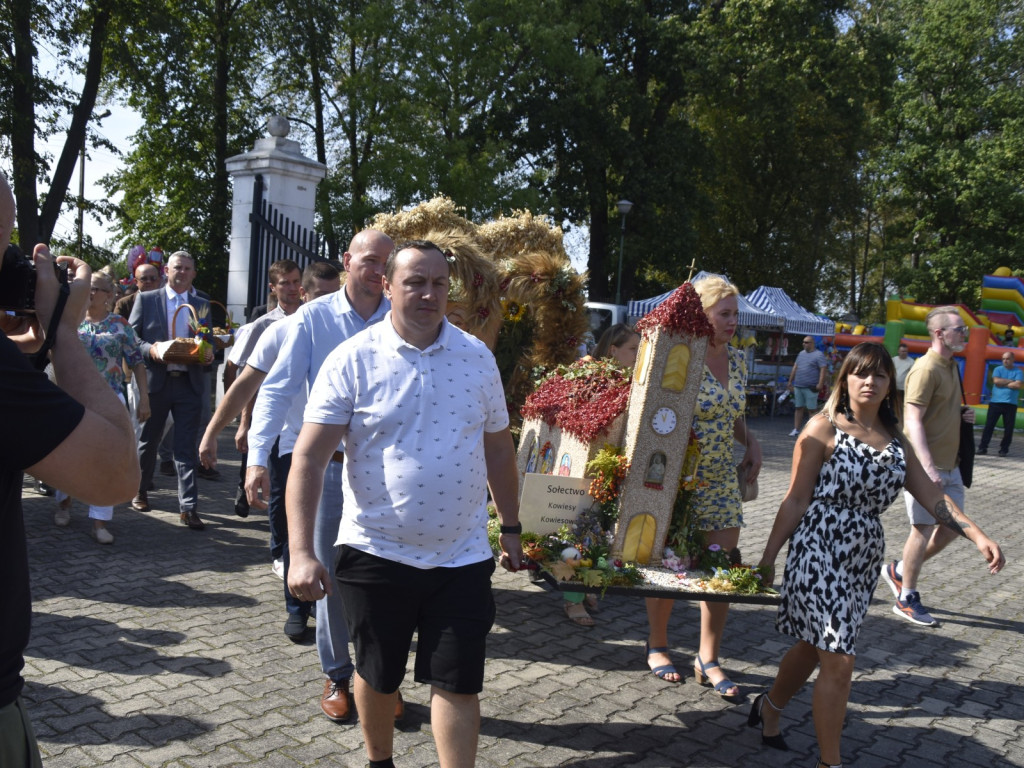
(514, 529)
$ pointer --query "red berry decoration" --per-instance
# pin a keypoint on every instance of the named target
(681, 314)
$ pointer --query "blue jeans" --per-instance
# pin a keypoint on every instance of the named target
(331, 630)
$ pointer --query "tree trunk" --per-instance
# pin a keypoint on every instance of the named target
(597, 261)
(23, 125)
(76, 135)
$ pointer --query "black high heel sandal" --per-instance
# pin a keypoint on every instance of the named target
(754, 719)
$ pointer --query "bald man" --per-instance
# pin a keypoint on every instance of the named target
(313, 333)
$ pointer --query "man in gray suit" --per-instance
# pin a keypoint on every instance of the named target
(173, 389)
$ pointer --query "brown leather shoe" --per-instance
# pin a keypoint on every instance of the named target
(140, 502)
(399, 708)
(191, 519)
(334, 702)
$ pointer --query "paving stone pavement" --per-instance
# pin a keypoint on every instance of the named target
(166, 649)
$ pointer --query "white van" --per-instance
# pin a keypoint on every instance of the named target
(602, 317)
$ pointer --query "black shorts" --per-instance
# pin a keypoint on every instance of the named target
(451, 609)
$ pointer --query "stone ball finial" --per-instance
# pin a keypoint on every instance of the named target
(278, 126)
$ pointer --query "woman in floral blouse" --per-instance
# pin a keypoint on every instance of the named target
(111, 342)
(717, 506)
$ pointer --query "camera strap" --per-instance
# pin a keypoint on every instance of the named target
(41, 358)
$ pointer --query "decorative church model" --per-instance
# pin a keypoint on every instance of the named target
(591, 403)
(666, 381)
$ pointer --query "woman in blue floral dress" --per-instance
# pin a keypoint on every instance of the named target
(111, 342)
(717, 505)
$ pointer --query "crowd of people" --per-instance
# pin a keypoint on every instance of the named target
(343, 391)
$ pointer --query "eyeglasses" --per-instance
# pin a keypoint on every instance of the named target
(961, 329)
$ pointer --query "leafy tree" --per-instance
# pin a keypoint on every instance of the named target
(596, 112)
(41, 105)
(402, 101)
(195, 95)
(953, 154)
(781, 109)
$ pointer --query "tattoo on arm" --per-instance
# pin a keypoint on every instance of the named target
(945, 516)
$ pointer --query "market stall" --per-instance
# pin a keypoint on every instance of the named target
(795, 319)
(750, 315)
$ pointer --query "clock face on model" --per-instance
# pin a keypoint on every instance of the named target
(663, 421)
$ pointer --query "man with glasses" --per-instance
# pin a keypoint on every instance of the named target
(1006, 382)
(147, 277)
(806, 380)
(931, 420)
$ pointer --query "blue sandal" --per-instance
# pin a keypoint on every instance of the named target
(700, 671)
(663, 670)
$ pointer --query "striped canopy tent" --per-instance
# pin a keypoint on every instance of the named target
(750, 316)
(796, 319)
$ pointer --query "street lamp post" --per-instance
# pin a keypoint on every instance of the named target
(81, 181)
(624, 207)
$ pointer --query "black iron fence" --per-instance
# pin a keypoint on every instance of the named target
(276, 237)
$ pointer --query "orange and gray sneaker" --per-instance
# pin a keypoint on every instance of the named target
(912, 610)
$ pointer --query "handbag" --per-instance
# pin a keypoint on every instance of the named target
(748, 488)
(966, 453)
(966, 462)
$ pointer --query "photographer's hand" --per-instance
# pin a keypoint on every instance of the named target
(47, 288)
(28, 332)
(98, 462)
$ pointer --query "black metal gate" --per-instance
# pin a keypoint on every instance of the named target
(276, 237)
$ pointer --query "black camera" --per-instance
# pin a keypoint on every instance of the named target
(18, 281)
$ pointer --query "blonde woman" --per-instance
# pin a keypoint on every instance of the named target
(110, 340)
(717, 508)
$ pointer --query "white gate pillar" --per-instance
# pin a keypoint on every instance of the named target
(289, 184)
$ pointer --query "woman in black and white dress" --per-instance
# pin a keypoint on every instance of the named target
(849, 466)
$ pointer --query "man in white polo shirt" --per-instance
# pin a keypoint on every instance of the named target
(422, 413)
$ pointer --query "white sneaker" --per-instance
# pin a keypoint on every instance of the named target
(102, 536)
(794, 433)
(278, 568)
(62, 517)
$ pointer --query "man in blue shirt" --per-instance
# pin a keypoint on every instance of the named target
(314, 331)
(806, 380)
(1006, 382)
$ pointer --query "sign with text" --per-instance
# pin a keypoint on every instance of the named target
(551, 501)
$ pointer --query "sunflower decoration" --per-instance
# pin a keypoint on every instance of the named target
(542, 295)
(473, 282)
